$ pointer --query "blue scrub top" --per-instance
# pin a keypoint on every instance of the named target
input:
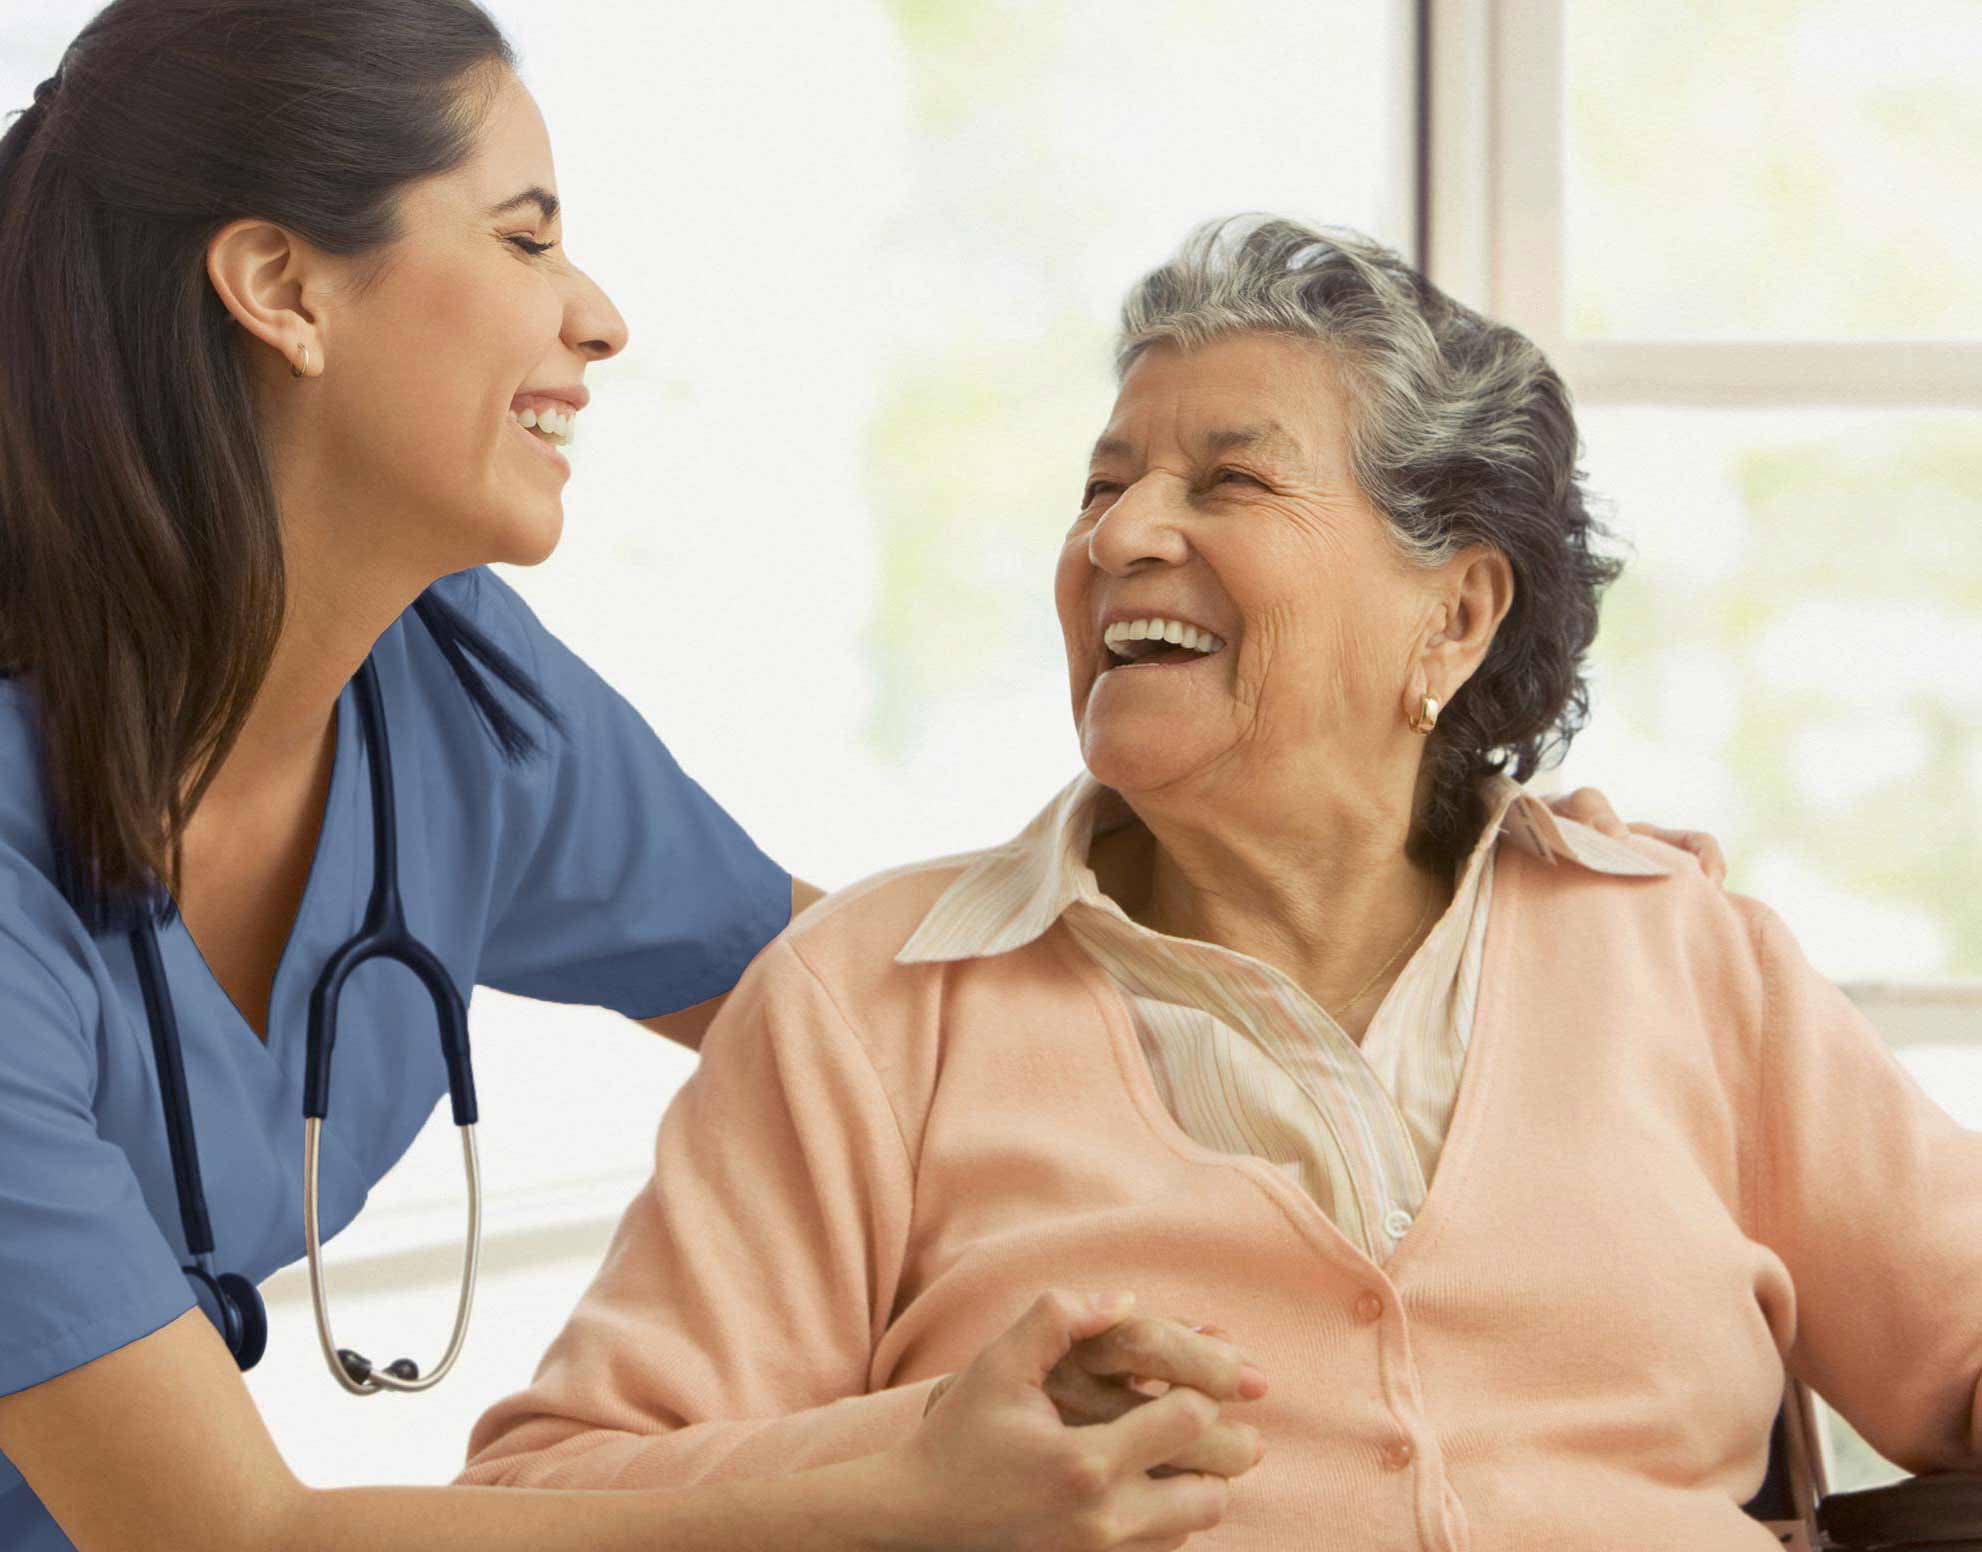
(596, 872)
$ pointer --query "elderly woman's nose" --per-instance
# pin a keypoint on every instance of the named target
(1140, 525)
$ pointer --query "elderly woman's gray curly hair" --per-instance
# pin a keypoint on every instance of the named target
(1460, 433)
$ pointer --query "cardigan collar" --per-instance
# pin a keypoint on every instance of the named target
(1013, 893)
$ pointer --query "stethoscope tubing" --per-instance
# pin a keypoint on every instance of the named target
(383, 934)
(349, 1369)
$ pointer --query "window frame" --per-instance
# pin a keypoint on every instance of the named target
(1496, 240)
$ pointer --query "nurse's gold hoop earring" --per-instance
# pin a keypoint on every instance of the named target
(1426, 716)
(303, 370)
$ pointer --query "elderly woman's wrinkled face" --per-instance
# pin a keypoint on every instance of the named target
(1220, 498)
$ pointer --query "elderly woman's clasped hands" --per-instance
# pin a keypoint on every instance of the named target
(1131, 1468)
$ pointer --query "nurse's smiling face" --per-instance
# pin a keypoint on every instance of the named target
(406, 448)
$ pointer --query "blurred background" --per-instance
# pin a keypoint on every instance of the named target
(871, 252)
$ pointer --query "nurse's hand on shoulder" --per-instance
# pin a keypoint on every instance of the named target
(1588, 805)
(1144, 1471)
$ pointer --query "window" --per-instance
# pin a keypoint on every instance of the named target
(1745, 236)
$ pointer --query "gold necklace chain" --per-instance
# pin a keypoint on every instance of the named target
(1431, 893)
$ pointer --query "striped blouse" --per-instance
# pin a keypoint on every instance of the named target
(1244, 1059)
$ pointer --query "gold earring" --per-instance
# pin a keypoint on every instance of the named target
(1427, 715)
(298, 371)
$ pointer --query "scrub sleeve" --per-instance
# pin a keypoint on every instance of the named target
(84, 1268)
(628, 886)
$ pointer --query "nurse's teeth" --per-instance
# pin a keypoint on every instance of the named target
(553, 425)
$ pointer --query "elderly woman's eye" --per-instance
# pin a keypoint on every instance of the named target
(1094, 489)
(1241, 473)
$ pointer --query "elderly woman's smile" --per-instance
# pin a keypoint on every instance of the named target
(1240, 628)
(1155, 641)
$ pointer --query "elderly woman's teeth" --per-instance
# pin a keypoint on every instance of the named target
(1159, 633)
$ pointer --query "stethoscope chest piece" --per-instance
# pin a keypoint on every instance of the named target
(243, 1315)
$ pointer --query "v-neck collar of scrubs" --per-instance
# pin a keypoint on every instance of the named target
(330, 879)
(234, 1075)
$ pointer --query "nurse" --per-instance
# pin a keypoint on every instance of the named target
(282, 285)
(289, 344)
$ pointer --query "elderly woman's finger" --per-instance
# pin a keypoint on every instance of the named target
(1153, 1348)
(1175, 1427)
(1168, 1350)
(1160, 1430)
(1084, 1397)
(1228, 1447)
(1587, 805)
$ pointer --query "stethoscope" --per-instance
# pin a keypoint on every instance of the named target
(382, 935)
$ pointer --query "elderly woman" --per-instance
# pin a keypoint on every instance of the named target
(1524, 1158)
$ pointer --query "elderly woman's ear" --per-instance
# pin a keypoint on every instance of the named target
(1587, 805)
(1468, 620)
(1488, 588)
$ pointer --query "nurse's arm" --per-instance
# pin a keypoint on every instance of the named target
(159, 1445)
(687, 1026)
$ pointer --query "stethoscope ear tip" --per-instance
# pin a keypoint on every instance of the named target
(359, 1367)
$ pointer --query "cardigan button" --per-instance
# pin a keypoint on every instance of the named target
(1368, 1308)
(1397, 1454)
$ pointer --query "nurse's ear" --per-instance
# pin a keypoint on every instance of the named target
(275, 284)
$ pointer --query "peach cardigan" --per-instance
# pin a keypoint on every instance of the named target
(1679, 1158)
(1244, 1060)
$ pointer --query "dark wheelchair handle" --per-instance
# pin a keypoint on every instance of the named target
(1941, 1510)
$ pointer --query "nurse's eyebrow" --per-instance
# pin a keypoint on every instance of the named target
(546, 201)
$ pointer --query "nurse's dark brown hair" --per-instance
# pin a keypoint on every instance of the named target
(141, 574)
